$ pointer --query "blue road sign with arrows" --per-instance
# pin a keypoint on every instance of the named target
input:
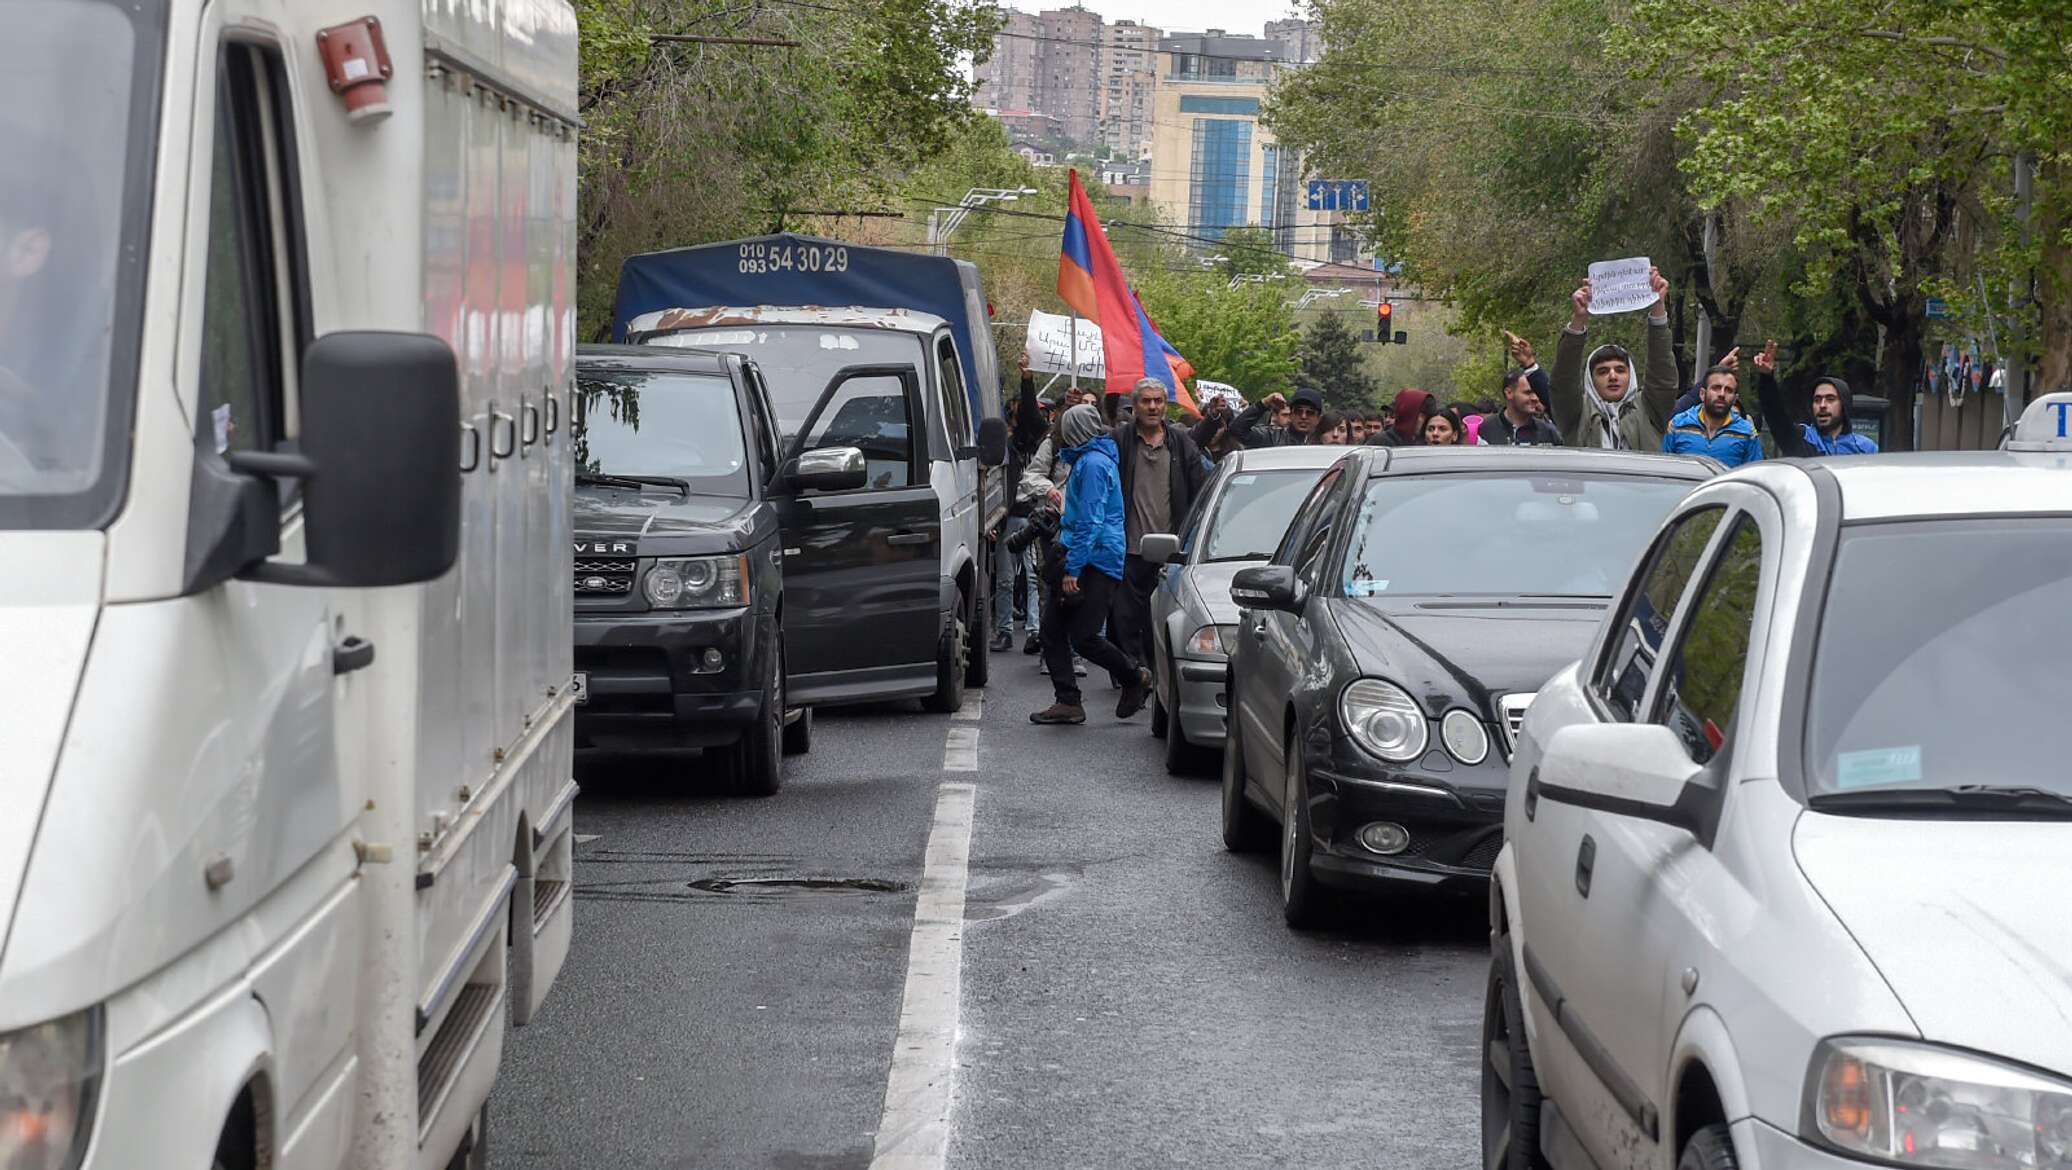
(1338, 194)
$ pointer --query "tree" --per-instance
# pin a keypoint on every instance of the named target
(1331, 362)
(1250, 251)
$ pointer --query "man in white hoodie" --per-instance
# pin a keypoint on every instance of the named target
(1594, 403)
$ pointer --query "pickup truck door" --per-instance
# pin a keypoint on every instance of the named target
(862, 568)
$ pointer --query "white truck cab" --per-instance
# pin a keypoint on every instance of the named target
(1783, 856)
(286, 316)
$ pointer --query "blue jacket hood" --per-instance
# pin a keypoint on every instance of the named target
(1100, 443)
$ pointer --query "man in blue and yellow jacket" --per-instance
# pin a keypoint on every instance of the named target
(1714, 427)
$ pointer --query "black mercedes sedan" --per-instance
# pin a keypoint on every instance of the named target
(1384, 658)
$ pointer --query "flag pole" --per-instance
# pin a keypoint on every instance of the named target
(1075, 350)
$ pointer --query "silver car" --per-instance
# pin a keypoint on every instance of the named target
(1238, 521)
(1785, 854)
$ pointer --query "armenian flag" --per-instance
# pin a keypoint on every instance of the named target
(1090, 280)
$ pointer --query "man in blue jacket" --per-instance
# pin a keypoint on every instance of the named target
(1088, 566)
(1714, 427)
(1829, 432)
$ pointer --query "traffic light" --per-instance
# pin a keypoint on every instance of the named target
(1384, 321)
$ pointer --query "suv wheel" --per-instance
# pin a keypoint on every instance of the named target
(1711, 1148)
(951, 660)
(1302, 899)
(1510, 1089)
(756, 763)
(1245, 828)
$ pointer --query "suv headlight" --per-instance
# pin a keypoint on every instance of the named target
(1919, 1105)
(697, 582)
(1211, 641)
(49, 1074)
(1384, 719)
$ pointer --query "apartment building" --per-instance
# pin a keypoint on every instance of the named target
(1301, 41)
(1007, 80)
(1129, 81)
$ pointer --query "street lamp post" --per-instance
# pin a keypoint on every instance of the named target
(944, 221)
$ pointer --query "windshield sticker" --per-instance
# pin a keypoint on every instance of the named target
(726, 337)
(838, 341)
(1877, 766)
(1243, 480)
(1366, 586)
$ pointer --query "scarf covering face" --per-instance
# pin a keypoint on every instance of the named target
(1608, 414)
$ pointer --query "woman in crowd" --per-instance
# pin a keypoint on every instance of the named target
(1334, 431)
(1442, 428)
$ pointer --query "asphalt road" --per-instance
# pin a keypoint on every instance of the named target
(1129, 996)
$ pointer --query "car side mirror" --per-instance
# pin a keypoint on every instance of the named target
(992, 442)
(1161, 548)
(378, 464)
(1267, 587)
(828, 469)
(1628, 769)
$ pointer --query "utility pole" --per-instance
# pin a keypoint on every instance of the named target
(2022, 382)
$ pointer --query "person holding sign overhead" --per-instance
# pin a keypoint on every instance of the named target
(1594, 403)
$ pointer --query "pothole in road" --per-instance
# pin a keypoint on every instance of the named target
(786, 885)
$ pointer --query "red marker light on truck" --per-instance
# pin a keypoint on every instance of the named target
(356, 62)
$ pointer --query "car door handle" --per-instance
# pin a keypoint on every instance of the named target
(1586, 864)
(354, 653)
(907, 538)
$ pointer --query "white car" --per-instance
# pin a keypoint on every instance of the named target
(1787, 853)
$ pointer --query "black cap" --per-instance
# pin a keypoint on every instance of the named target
(1308, 397)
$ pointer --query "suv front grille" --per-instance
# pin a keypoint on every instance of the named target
(605, 578)
(1513, 709)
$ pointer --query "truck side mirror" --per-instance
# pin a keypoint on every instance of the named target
(992, 442)
(378, 464)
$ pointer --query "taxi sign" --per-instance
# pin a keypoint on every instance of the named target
(2045, 426)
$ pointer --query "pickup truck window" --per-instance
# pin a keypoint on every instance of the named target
(664, 424)
(798, 361)
(956, 408)
(78, 102)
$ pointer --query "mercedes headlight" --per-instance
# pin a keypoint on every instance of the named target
(48, 1076)
(697, 582)
(1464, 737)
(1384, 719)
(1211, 641)
(1918, 1105)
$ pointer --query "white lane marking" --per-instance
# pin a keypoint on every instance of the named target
(960, 750)
(914, 1132)
(974, 709)
(586, 838)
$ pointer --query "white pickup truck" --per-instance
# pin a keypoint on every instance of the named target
(286, 315)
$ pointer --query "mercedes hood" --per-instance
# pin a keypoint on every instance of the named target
(1467, 650)
(50, 592)
(1964, 919)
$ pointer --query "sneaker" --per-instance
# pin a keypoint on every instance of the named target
(1002, 641)
(1033, 643)
(1059, 713)
(1134, 695)
(1079, 668)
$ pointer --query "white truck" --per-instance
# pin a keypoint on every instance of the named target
(286, 333)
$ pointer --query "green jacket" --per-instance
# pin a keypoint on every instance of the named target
(1640, 424)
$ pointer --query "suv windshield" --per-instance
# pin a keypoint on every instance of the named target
(1958, 679)
(78, 85)
(1504, 534)
(798, 361)
(1252, 514)
(670, 426)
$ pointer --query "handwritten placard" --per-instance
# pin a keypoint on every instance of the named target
(1206, 392)
(1050, 346)
(1620, 286)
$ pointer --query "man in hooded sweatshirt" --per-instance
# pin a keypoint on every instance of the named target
(1594, 401)
(1828, 434)
(1406, 426)
(1088, 565)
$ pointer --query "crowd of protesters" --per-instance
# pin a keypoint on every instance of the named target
(1095, 474)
